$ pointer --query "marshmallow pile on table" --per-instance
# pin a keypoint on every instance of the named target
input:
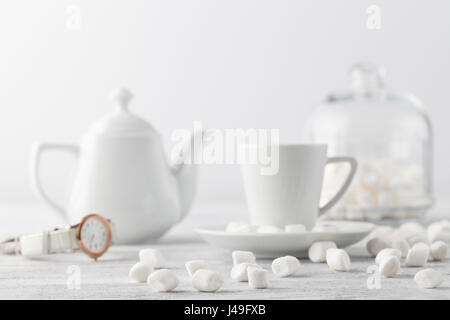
(378, 184)
(411, 241)
(415, 244)
(152, 269)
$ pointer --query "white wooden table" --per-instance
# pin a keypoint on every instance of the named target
(54, 277)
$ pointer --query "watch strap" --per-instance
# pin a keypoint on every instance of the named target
(10, 246)
(57, 241)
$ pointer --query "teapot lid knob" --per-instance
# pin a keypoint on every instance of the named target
(121, 98)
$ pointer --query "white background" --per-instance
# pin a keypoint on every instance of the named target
(234, 63)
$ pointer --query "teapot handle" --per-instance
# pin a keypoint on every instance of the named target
(37, 151)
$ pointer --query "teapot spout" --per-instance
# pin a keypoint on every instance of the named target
(185, 169)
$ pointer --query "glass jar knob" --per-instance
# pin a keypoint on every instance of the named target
(367, 79)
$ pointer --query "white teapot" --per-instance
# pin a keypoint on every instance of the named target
(123, 174)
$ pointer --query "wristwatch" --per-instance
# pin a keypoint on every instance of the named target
(93, 235)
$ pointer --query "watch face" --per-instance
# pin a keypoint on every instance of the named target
(95, 235)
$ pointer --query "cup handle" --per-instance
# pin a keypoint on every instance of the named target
(37, 151)
(353, 166)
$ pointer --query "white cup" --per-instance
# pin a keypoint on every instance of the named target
(291, 195)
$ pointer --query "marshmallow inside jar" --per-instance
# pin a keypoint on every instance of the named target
(394, 159)
(381, 189)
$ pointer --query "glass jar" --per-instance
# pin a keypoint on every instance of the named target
(390, 135)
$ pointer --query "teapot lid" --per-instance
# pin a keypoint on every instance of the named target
(121, 121)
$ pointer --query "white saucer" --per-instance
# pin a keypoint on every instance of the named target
(271, 245)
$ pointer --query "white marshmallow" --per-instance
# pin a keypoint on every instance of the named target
(445, 223)
(400, 244)
(383, 232)
(439, 231)
(285, 266)
(417, 256)
(162, 280)
(241, 227)
(239, 271)
(194, 265)
(438, 250)
(235, 226)
(318, 250)
(385, 198)
(417, 238)
(242, 256)
(207, 280)
(153, 257)
(257, 278)
(295, 228)
(422, 246)
(338, 259)
(269, 229)
(439, 235)
(375, 245)
(249, 228)
(412, 227)
(412, 234)
(140, 271)
(379, 183)
(325, 227)
(428, 278)
(434, 228)
(387, 253)
(389, 266)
